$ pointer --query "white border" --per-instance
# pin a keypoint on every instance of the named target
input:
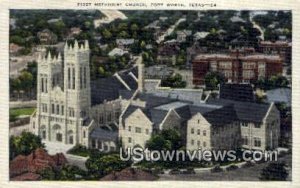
(5, 5)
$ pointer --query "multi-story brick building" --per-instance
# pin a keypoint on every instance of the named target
(237, 67)
(281, 48)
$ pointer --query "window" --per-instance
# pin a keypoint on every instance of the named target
(198, 143)
(93, 143)
(99, 144)
(101, 119)
(84, 77)
(147, 131)
(198, 121)
(42, 82)
(83, 134)
(192, 142)
(33, 125)
(138, 130)
(44, 134)
(244, 124)
(73, 78)
(192, 130)
(57, 109)
(117, 114)
(80, 77)
(69, 78)
(62, 109)
(204, 144)
(245, 140)
(109, 117)
(256, 125)
(46, 89)
(53, 109)
(204, 133)
(129, 140)
(198, 132)
(257, 142)
(105, 148)
(129, 128)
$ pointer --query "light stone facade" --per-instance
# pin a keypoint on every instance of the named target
(135, 130)
(63, 102)
(64, 112)
(262, 136)
(202, 135)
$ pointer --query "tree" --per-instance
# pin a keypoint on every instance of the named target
(167, 139)
(134, 27)
(174, 137)
(99, 165)
(158, 142)
(106, 34)
(213, 79)
(24, 144)
(274, 171)
(26, 79)
(15, 85)
(174, 81)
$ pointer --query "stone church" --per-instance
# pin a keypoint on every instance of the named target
(125, 109)
(72, 109)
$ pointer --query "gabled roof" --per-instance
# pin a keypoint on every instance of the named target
(222, 116)
(246, 111)
(104, 134)
(111, 88)
(238, 92)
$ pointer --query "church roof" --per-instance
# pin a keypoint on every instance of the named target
(246, 111)
(111, 88)
(103, 134)
(239, 92)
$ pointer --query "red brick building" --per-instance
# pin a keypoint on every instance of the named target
(281, 48)
(237, 67)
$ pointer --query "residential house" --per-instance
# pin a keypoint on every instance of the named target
(124, 44)
(182, 35)
(47, 37)
(117, 52)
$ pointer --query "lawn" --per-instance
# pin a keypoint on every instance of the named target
(16, 112)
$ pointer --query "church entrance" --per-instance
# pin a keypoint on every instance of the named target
(70, 139)
(58, 137)
(57, 134)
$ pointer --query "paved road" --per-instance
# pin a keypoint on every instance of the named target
(241, 174)
(17, 64)
(111, 15)
(54, 148)
(22, 104)
(170, 30)
(255, 25)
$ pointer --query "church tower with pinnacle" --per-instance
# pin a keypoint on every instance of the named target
(63, 95)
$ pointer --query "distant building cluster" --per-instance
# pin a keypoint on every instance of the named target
(237, 66)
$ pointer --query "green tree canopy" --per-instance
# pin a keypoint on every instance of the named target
(174, 81)
(274, 171)
(24, 144)
(213, 79)
(100, 165)
(167, 139)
